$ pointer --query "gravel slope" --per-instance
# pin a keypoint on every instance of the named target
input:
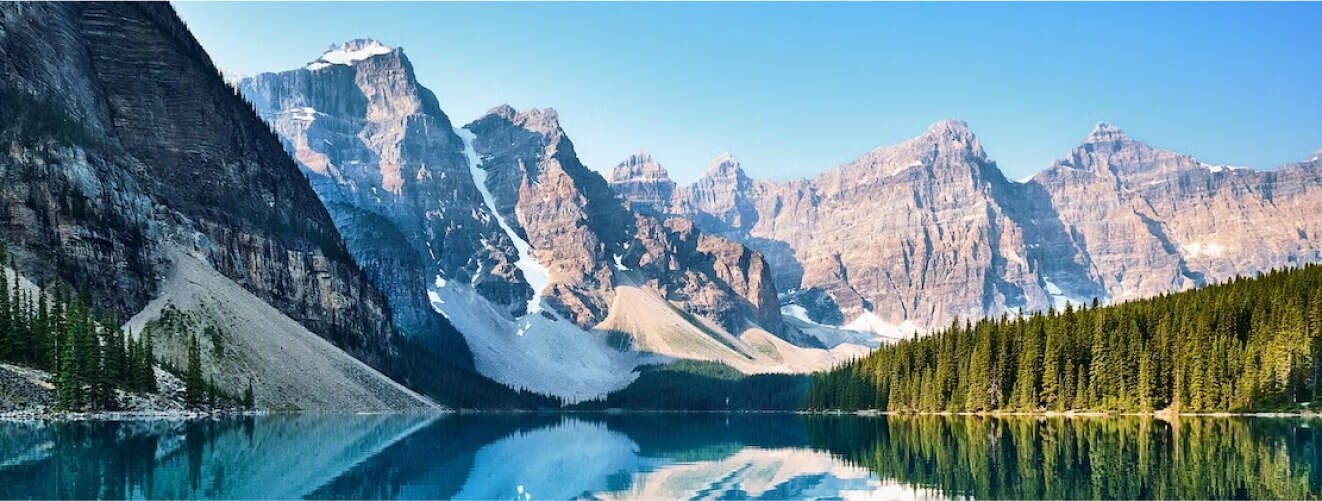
(289, 366)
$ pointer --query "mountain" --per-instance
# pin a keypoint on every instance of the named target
(556, 285)
(392, 172)
(1152, 220)
(130, 163)
(929, 230)
(589, 240)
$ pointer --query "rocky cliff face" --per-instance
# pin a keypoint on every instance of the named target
(588, 239)
(1152, 220)
(394, 174)
(121, 139)
(930, 229)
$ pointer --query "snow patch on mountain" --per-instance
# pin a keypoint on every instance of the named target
(301, 113)
(1219, 168)
(348, 53)
(1204, 249)
(831, 336)
(796, 311)
(1059, 300)
(536, 274)
(870, 322)
(539, 352)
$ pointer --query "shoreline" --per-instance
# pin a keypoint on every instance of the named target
(15, 416)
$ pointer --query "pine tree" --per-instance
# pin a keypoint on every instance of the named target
(6, 321)
(1082, 392)
(1146, 380)
(146, 378)
(44, 345)
(1315, 338)
(68, 389)
(248, 400)
(1051, 364)
(1067, 393)
(193, 382)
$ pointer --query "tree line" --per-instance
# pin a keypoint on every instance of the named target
(1245, 344)
(56, 330)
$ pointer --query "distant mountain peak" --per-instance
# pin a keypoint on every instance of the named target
(952, 134)
(545, 121)
(950, 125)
(349, 52)
(641, 157)
(950, 131)
(724, 165)
(639, 167)
(1105, 133)
(540, 119)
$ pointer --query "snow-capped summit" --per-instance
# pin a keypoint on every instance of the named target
(349, 52)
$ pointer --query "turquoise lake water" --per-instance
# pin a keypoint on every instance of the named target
(661, 456)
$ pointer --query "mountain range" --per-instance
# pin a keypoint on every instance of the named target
(556, 284)
(359, 250)
(930, 230)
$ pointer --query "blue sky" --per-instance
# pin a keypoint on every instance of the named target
(793, 89)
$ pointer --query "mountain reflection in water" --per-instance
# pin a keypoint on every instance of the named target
(660, 456)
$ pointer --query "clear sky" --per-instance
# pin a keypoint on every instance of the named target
(793, 89)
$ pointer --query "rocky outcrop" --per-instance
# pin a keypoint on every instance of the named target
(929, 230)
(121, 138)
(591, 242)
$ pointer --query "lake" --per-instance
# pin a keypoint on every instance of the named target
(662, 456)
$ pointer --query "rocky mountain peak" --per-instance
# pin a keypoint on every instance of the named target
(949, 126)
(1105, 133)
(545, 121)
(944, 145)
(349, 52)
(951, 134)
(643, 182)
(639, 167)
(726, 167)
(504, 111)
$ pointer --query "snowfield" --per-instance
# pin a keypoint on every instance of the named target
(546, 355)
(870, 322)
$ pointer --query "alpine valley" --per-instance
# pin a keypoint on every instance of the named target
(327, 238)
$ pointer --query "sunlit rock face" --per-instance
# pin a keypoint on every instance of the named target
(643, 182)
(394, 174)
(929, 230)
(591, 241)
(1152, 220)
(133, 143)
